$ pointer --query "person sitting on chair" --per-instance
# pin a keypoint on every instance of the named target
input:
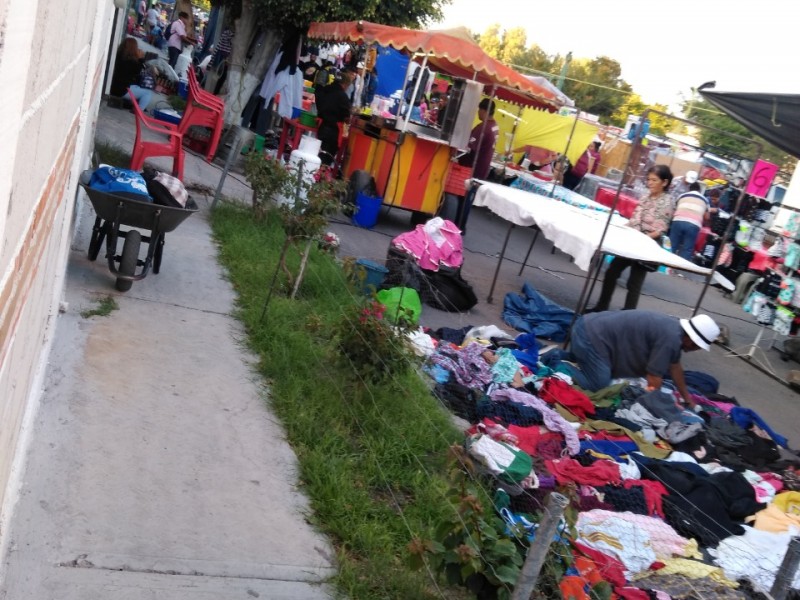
(127, 73)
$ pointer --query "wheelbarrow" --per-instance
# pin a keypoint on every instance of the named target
(114, 211)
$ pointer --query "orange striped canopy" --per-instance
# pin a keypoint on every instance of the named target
(451, 51)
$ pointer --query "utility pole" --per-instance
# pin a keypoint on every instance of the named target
(563, 74)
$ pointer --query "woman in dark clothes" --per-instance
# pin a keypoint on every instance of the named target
(333, 107)
(127, 73)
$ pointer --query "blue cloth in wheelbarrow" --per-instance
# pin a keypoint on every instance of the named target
(535, 313)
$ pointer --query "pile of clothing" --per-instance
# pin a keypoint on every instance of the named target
(664, 495)
(429, 259)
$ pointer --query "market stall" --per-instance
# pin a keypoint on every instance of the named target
(411, 161)
(577, 230)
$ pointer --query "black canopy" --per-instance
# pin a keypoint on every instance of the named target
(775, 117)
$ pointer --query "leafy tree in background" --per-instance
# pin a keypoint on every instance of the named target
(491, 41)
(514, 46)
(252, 53)
(707, 115)
(634, 105)
(595, 85)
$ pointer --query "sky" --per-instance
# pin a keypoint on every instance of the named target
(665, 49)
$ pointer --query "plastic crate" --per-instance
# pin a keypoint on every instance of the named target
(168, 115)
(456, 179)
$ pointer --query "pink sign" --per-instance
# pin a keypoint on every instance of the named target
(761, 178)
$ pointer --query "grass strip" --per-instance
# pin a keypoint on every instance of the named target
(372, 459)
(104, 307)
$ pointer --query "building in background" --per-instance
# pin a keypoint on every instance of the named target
(53, 63)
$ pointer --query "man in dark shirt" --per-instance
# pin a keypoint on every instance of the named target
(482, 141)
(636, 343)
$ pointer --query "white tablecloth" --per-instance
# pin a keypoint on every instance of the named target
(578, 231)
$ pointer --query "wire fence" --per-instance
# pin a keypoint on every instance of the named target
(633, 525)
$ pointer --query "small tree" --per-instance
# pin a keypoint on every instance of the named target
(302, 205)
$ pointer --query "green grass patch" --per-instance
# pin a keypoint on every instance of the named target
(372, 458)
(111, 154)
(105, 306)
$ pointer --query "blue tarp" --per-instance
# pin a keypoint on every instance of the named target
(391, 66)
(532, 312)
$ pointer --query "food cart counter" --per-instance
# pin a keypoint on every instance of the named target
(410, 168)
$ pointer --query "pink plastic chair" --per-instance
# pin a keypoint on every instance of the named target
(143, 149)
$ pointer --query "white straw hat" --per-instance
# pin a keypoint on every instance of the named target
(701, 329)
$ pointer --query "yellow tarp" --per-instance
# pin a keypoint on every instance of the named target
(543, 129)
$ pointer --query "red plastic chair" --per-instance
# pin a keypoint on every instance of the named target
(203, 112)
(146, 148)
(203, 95)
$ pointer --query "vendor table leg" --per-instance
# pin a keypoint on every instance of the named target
(530, 249)
(499, 262)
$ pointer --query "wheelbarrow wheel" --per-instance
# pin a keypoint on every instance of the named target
(130, 256)
(98, 236)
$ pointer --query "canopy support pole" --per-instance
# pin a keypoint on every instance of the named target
(564, 155)
(415, 92)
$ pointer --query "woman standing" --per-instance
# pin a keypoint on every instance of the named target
(652, 217)
(333, 108)
(127, 73)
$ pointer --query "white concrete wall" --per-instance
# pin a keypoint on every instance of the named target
(52, 59)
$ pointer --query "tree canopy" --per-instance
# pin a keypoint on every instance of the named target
(276, 20)
(595, 85)
(279, 15)
(634, 105)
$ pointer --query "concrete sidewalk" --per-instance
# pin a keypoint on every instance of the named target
(157, 470)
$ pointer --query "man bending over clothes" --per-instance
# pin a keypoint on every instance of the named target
(636, 343)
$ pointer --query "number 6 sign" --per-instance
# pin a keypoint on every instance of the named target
(761, 178)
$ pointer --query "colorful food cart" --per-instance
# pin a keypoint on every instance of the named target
(409, 161)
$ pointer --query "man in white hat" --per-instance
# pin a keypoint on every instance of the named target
(636, 343)
(681, 185)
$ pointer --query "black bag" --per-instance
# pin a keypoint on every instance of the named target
(444, 289)
(449, 291)
(165, 189)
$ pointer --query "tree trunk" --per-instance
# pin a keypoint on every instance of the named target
(186, 6)
(244, 75)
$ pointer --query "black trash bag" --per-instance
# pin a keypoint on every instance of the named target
(449, 291)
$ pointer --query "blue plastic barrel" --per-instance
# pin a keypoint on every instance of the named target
(367, 209)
